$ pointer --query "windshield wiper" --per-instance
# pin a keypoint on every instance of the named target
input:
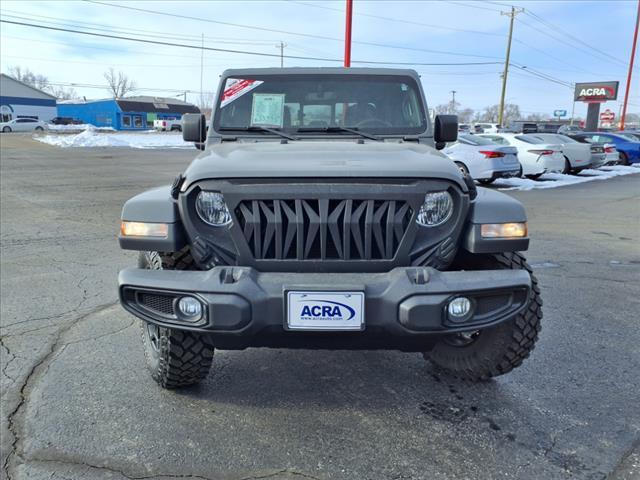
(370, 136)
(258, 128)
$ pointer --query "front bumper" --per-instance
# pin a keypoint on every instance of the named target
(404, 308)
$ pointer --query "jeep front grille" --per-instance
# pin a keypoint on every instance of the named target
(325, 229)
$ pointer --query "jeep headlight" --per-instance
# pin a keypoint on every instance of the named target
(212, 209)
(436, 209)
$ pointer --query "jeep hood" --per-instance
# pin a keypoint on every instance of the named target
(321, 159)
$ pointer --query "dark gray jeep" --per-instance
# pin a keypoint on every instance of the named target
(320, 214)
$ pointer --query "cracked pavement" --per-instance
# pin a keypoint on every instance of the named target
(77, 403)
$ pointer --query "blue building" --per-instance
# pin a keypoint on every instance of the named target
(131, 113)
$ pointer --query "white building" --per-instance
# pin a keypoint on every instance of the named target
(18, 100)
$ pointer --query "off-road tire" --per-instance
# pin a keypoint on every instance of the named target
(496, 350)
(175, 358)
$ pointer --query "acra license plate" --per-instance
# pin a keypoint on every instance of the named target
(325, 310)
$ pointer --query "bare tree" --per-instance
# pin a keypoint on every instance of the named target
(511, 113)
(62, 93)
(537, 117)
(118, 83)
(27, 76)
(41, 82)
(465, 115)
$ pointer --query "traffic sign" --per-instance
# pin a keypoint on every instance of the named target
(559, 113)
(607, 116)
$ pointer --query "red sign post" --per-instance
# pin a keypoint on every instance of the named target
(347, 34)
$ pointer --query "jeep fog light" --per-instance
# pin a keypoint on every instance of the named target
(436, 209)
(504, 230)
(459, 308)
(140, 229)
(212, 209)
(190, 309)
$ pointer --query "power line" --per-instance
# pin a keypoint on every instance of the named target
(286, 32)
(242, 52)
(569, 44)
(398, 20)
(129, 31)
(473, 6)
(567, 34)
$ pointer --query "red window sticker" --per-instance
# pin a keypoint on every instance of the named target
(234, 88)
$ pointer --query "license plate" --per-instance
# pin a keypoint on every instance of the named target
(325, 310)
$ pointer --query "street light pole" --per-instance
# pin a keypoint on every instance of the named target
(347, 34)
(633, 54)
(512, 14)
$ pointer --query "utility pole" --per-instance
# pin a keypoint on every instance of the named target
(453, 101)
(512, 14)
(202, 72)
(281, 47)
(633, 54)
(347, 33)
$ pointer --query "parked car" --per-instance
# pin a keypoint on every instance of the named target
(168, 125)
(487, 127)
(628, 147)
(482, 159)
(565, 129)
(464, 127)
(535, 155)
(22, 125)
(65, 121)
(548, 127)
(523, 127)
(611, 155)
(577, 156)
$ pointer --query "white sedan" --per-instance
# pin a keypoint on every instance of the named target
(22, 125)
(577, 156)
(483, 159)
(535, 155)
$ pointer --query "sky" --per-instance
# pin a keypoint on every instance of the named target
(563, 41)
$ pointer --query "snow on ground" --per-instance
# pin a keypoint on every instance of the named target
(77, 128)
(554, 180)
(91, 137)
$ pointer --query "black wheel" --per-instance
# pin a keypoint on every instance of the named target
(567, 166)
(624, 159)
(534, 177)
(486, 181)
(39, 129)
(175, 358)
(176, 128)
(463, 168)
(482, 354)
(6, 129)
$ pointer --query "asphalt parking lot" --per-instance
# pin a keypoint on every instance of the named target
(78, 403)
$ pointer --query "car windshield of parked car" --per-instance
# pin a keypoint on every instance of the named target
(531, 139)
(628, 137)
(474, 140)
(382, 104)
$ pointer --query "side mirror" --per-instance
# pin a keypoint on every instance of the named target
(194, 127)
(445, 130)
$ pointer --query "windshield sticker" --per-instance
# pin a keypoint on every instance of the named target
(234, 88)
(267, 109)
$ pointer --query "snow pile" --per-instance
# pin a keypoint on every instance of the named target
(77, 128)
(554, 180)
(91, 137)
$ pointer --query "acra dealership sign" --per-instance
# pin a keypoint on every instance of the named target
(596, 92)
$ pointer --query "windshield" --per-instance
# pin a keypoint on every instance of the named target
(382, 104)
(530, 139)
(474, 140)
(628, 136)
